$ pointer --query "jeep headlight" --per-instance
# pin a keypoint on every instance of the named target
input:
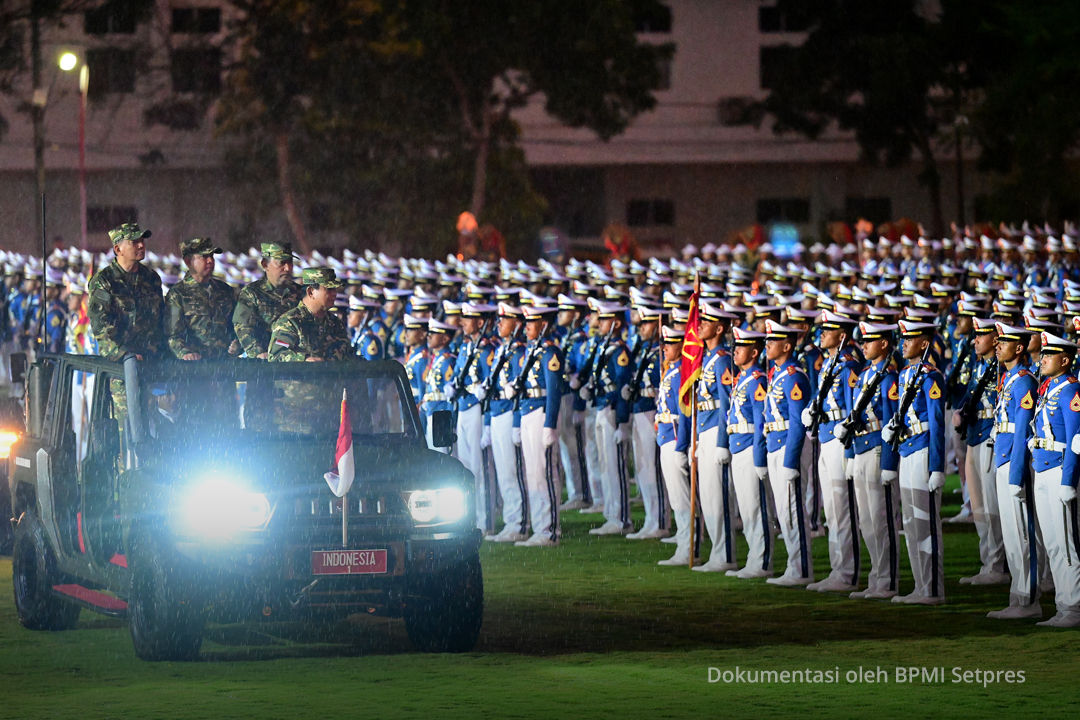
(220, 507)
(444, 504)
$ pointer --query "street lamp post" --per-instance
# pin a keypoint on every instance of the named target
(68, 62)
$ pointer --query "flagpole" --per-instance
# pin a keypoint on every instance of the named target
(345, 520)
(693, 475)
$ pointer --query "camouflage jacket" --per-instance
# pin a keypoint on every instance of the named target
(126, 311)
(200, 318)
(257, 307)
(298, 335)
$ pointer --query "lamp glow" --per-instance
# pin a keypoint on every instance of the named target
(68, 61)
(221, 507)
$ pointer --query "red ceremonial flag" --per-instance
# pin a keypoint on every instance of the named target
(342, 480)
(692, 352)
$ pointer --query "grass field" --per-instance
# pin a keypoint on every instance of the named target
(592, 629)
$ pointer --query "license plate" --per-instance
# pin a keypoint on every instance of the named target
(348, 562)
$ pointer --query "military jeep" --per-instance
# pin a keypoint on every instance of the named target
(176, 494)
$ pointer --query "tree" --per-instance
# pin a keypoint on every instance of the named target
(875, 69)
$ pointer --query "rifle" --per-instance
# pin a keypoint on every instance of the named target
(971, 407)
(490, 383)
(530, 360)
(459, 381)
(906, 400)
(962, 354)
(600, 358)
(586, 372)
(635, 383)
(854, 422)
(828, 377)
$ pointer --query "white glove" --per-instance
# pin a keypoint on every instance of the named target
(723, 456)
(849, 469)
(485, 437)
(551, 436)
(807, 417)
(479, 393)
(575, 383)
(584, 394)
(516, 436)
(578, 417)
(450, 391)
(937, 481)
(761, 472)
(625, 392)
(840, 431)
(887, 434)
(789, 474)
(888, 477)
(1017, 491)
(1067, 493)
(622, 433)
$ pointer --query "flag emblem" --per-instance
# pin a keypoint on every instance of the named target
(692, 351)
(342, 480)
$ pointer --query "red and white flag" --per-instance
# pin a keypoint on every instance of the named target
(342, 480)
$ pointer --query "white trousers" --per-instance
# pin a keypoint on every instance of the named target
(879, 522)
(592, 456)
(647, 463)
(838, 499)
(1022, 538)
(470, 426)
(613, 474)
(510, 473)
(753, 496)
(572, 452)
(982, 489)
(717, 500)
(676, 470)
(540, 471)
(790, 503)
(1059, 527)
(922, 524)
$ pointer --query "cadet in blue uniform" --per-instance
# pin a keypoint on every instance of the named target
(980, 469)
(646, 380)
(673, 437)
(811, 359)
(612, 420)
(872, 465)
(837, 491)
(1054, 458)
(56, 312)
(749, 455)
(574, 337)
(541, 366)
(922, 467)
(415, 339)
(362, 335)
(440, 368)
(499, 428)
(470, 372)
(713, 455)
(788, 393)
(1020, 531)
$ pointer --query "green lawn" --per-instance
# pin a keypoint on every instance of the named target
(591, 629)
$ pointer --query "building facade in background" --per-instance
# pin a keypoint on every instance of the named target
(696, 169)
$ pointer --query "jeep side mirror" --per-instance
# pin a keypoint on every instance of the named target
(442, 429)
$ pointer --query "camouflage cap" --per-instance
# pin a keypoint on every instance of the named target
(199, 246)
(325, 277)
(276, 251)
(127, 231)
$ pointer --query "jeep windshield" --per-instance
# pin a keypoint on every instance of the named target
(255, 400)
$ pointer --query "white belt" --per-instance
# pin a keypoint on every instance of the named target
(435, 397)
(778, 426)
(872, 426)
(706, 405)
(607, 389)
(833, 415)
(743, 428)
(666, 417)
(1005, 427)
(915, 429)
(471, 389)
(649, 392)
(536, 393)
(985, 414)
(1047, 444)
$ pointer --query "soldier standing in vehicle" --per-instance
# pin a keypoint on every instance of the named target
(199, 324)
(310, 332)
(263, 302)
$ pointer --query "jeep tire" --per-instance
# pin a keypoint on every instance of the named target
(33, 571)
(444, 610)
(167, 617)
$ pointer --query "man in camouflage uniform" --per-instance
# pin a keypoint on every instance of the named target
(126, 307)
(263, 302)
(199, 323)
(310, 332)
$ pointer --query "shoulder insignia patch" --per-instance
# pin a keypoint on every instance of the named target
(820, 360)
(489, 358)
(726, 379)
(852, 380)
(623, 359)
(1028, 402)
(553, 364)
(449, 372)
(796, 393)
(935, 391)
(372, 348)
(1075, 404)
(759, 394)
(894, 392)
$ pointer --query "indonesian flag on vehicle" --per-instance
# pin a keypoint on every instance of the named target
(342, 480)
(692, 352)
